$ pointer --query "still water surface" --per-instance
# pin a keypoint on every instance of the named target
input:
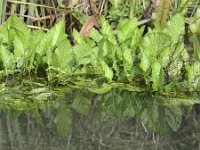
(39, 118)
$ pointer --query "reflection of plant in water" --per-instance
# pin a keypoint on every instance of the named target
(118, 118)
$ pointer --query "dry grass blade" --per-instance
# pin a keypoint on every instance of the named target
(161, 12)
(22, 8)
(1, 11)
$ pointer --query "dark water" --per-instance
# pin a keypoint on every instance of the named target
(64, 119)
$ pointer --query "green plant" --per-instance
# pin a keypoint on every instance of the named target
(155, 61)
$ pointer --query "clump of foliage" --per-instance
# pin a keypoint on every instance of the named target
(155, 61)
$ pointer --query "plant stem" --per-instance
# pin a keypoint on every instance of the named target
(132, 8)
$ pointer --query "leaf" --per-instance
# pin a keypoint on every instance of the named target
(18, 24)
(164, 58)
(101, 90)
(105, 48)
(144, 63)
(107, 31)
(126, 29)
(63, 121)
(63, 55)
(161, 12)
(196, 45)
(82, 53)
(128, 60)
(175, 28)
(95, 35)
(195, 26)
(6, 57)
(34, 40)
(77, 37)
(88, 25)
(190, 73)
(108, 73)
(53, 36)
(19, 52)
(157, 76)
(150, 47)
(81, 104)
(175, 68)
(177, 53)
(136, 37)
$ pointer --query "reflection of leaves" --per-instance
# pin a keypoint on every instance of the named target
(160, 118)
(150, 116)
(81, 104)
(173, 117)
(36, 115)
(63, 120)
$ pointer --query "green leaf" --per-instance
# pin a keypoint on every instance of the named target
(165, 57)
(53, 36)
(107, 31)
(144, 63)
(190, 73)
(81, 104)
(82, 53)
(19, 51)
(128, 59)
(196, 45)
(136, 37)
(175, 28)
(63, 121)
(126, 29)
(7, 58)
(77, 37)
(108, 73)
(195, 26)
(177, 53)
(157, 76)
(95, 35)
(34, 40)
(63, 55)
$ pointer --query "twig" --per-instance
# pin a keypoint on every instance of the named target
(35, 27)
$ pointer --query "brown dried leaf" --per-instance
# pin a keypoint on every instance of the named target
(88, 25)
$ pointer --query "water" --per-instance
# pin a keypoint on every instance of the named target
(37, 117)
